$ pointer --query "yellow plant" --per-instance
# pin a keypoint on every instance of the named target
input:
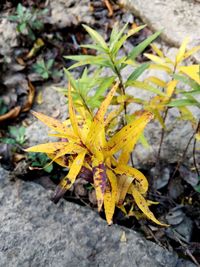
(86, 148)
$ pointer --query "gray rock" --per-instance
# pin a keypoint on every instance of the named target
(35, 232)
(178, 19)
(67, 13)
(8, 37)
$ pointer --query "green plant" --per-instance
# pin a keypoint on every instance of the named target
(100, 135)
(40, 161)
(16, 135)
(28, 20)
(3, 107)
(85, 145)
(45, 69)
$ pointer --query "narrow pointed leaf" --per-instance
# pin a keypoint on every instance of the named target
(192, 71)
(181, 52)
(138, 71)
(113, 181)
(109, 204)
(70, 178)
(156, 59)
(72, 115)
(141, 47)
(52, 123)
(97, 131)
(127, 134)
(54, 147)
(156, 81)
(157, 50)
(143, 206)
(96, 37)
(171, 88)
(145, 86)
(100, 179)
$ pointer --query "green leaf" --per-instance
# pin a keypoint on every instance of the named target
(141, 47)
(138, 71)
(21, 27)
(119, 44)
(145, 86)
(187, 81)
(96, 37)
(48, 168)
(49, 64)
(184, 102)
(115, 35)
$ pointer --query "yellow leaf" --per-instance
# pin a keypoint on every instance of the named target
(60, 161)
(156, 81)
(129, 134)
(67, 149)
(113, 181)
(191, 51)
(181, 52)
(52, 123)
(123, 183)
(68, 181)
(143, 206)
(157, 50)
(161, 67)
(72, 115)
(171, 87)
(112, 115)
(186, 114)
(51, 148)
(109, 204)
(156, 59)
(96, 136)
(136, 175)
(192, 71)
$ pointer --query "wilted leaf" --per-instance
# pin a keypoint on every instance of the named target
(123, 183)
(13, 113)
(127, 134)
(54, 124)
(100, 179)
(109, 203)
(31, 96)
(143, 205)
(136, 175)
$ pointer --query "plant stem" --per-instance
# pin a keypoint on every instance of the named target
(194, 149)
(123, 92)
(164, 119)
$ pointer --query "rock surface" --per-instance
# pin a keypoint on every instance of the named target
(35, 232)
(178, 19)
(67, 13)
(8, 38)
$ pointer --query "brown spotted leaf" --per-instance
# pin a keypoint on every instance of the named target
(143, 206)
(100, 178)
(54, 125)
